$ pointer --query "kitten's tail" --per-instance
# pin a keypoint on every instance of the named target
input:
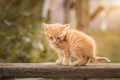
(100, 59)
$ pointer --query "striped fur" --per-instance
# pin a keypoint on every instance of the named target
(72, 43)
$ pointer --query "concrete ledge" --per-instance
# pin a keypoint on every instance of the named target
(51, 70)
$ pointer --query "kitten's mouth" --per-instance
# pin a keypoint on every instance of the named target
(54, 42)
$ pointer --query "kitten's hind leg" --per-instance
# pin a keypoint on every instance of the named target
(84, 61)
(77, 62)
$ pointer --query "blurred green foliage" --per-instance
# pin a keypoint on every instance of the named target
(21, 34)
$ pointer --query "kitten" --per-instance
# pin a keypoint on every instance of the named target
(72, 43)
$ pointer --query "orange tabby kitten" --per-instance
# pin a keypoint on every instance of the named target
(72, 43)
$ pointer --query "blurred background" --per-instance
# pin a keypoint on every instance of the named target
(22, 36)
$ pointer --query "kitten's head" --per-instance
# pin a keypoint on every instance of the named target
(55, 32)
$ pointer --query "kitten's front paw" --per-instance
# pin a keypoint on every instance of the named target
(72, 64)
(65, 63)
(58, 62)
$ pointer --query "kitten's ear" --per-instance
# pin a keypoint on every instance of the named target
(45, 26)
(67, 26)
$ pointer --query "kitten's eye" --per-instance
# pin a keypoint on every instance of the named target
(51, 37)
(58, 37)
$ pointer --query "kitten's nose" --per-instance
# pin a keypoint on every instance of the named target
(54, 41)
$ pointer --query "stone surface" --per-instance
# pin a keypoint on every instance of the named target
(51, 70)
